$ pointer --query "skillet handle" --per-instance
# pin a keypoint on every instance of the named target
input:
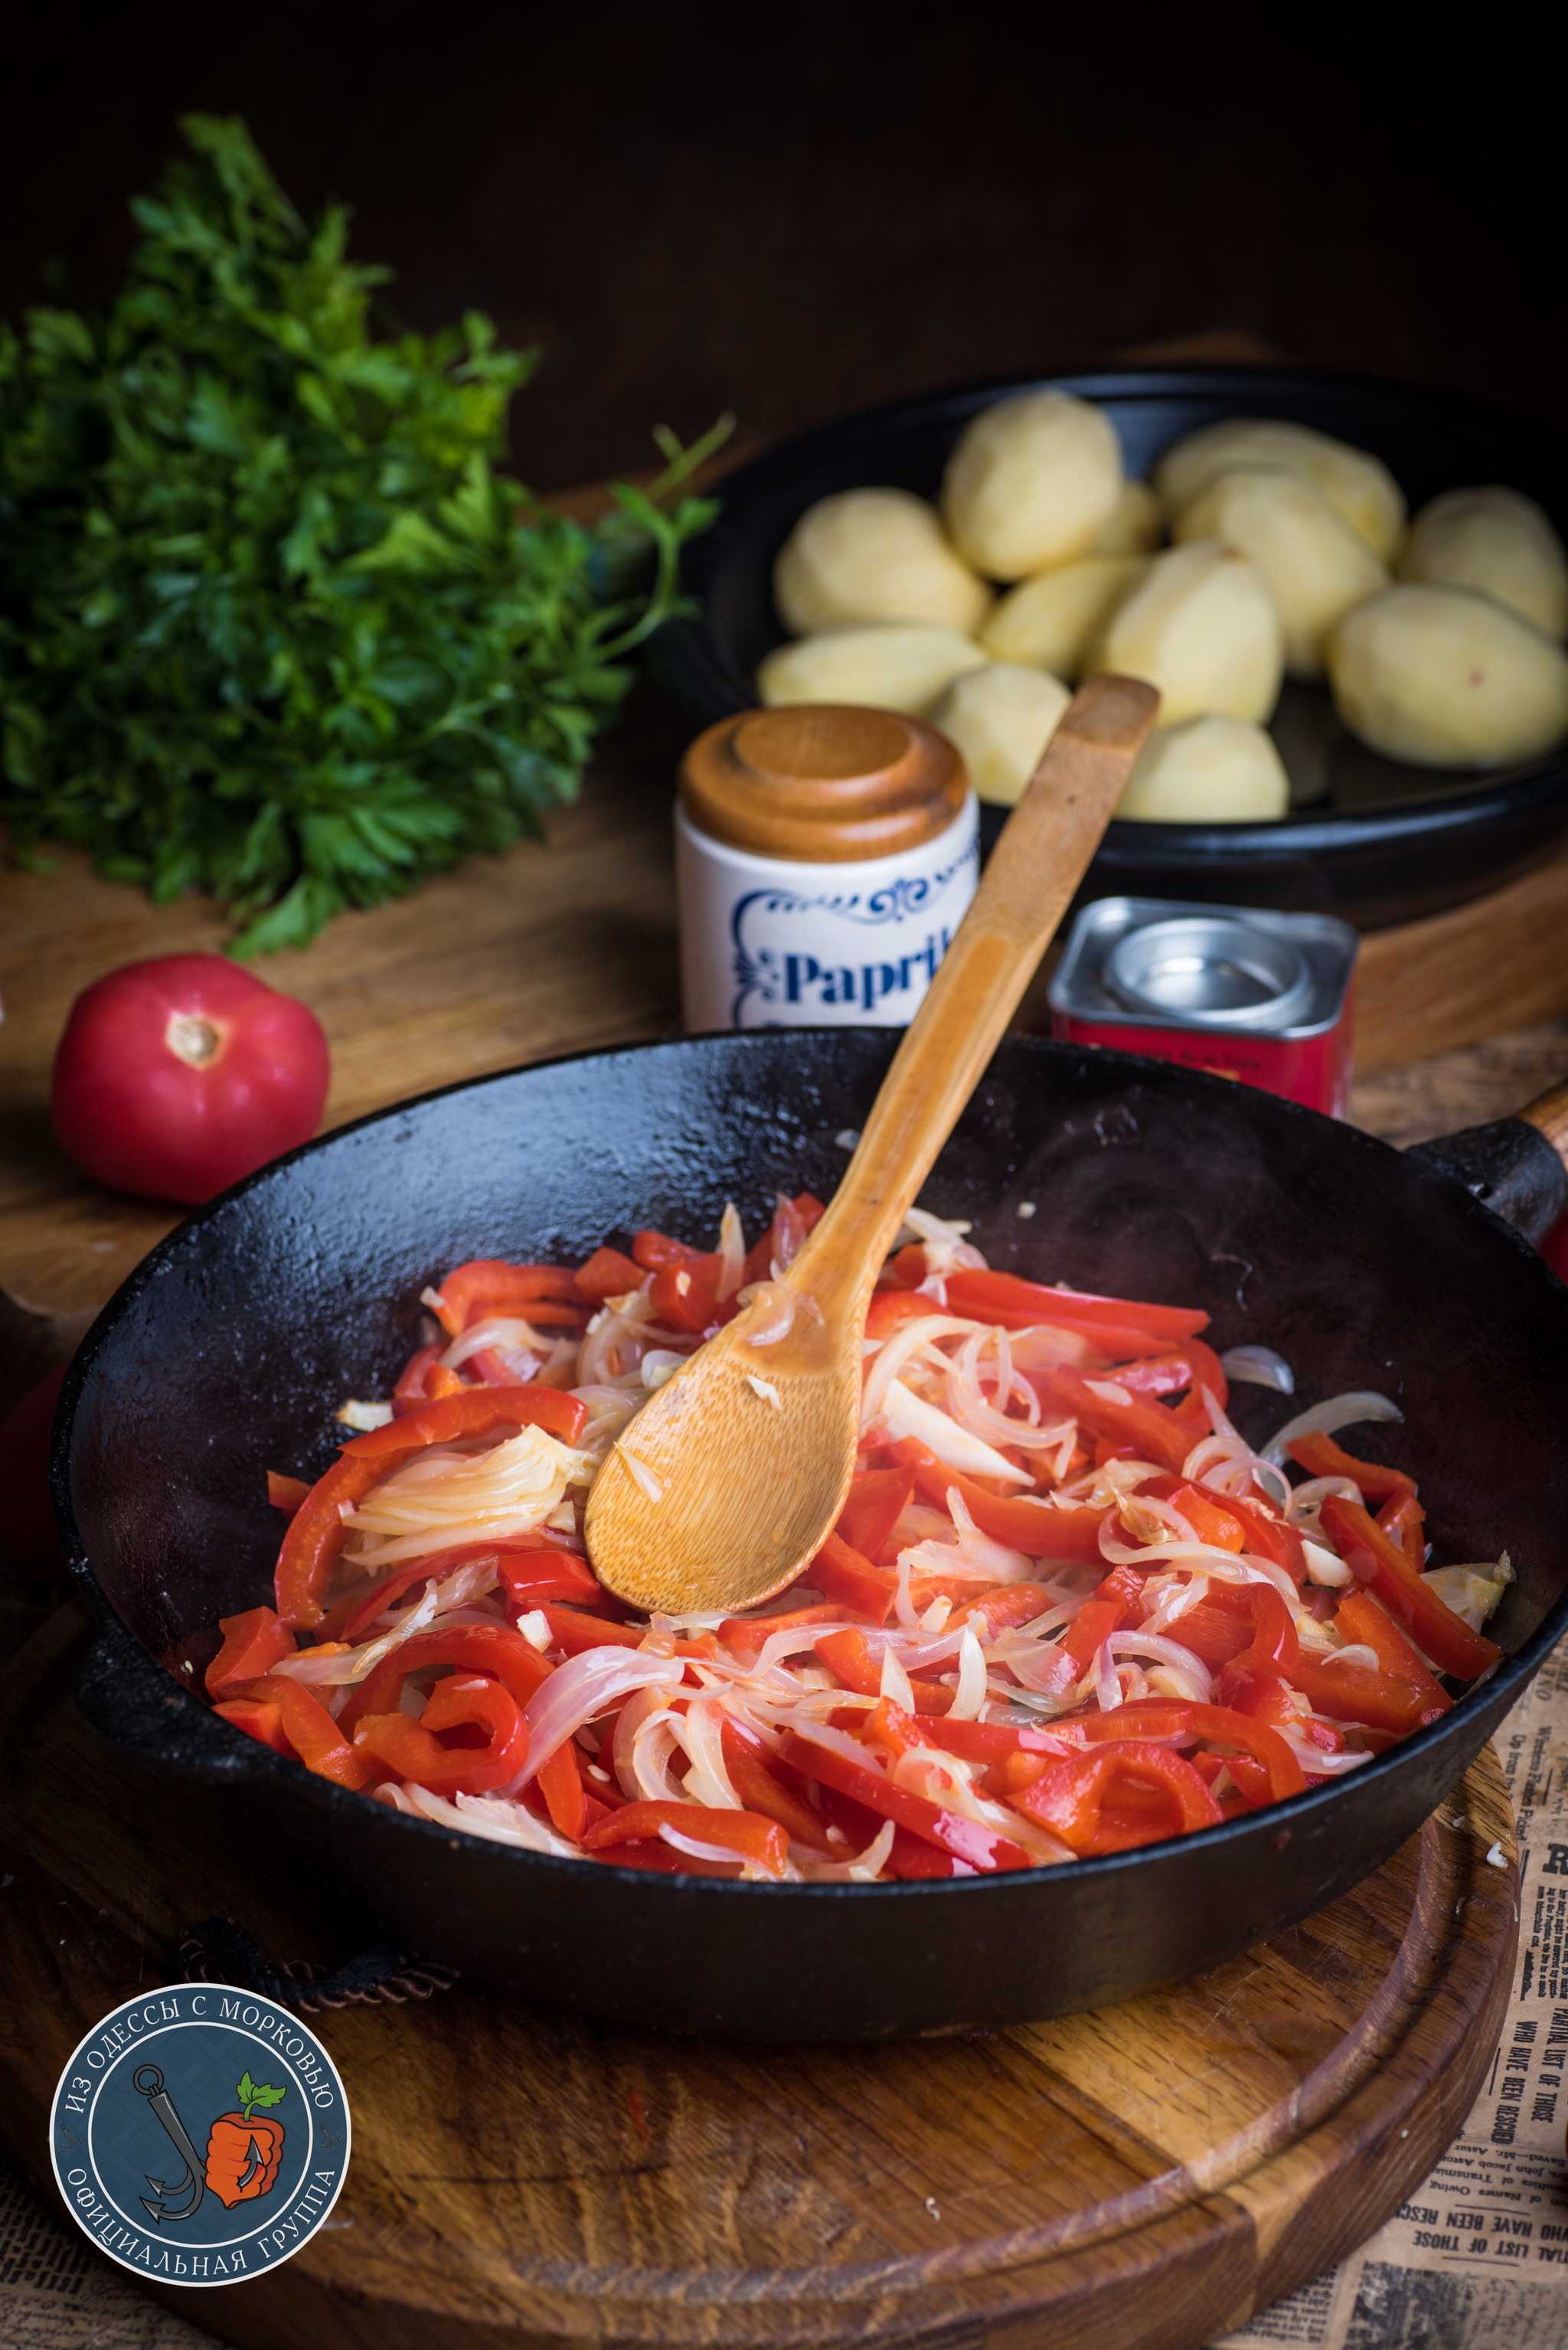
(1518, 1167)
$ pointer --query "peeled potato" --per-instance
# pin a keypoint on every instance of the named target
(1499, 542)
(897, 665)
(1002, 718)
(1316, 568)
(1047, 621)
(1362, 487)
(874, 555)
(1032, 482)
(1448, 679)
(1201, 626)
(1207, 771)
(1136, 525)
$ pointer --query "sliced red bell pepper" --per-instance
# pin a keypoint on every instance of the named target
(653, 1251)
(849, 1655)
(490, 1648)
(888, 1308)
(1211, 1520)
(1402, 1518)
(1152, 1429)
(843, 1575)
(317, 1532)
(608, 1273)
(1103, 1613)
(320, 1744)
(876, 1500)
(761, 1791)
(1269, 1536)
(744, 1635)
(1270, 1655)
(472, 1292)
(950, 1831)
(253, 1644)
(1185, 1369)
(1379, 1562)
(745, 1834)
(573, 1630)
(530, 1577)
(1071, 1798)
(413, 1751)
(686, 1295)
(1119, 1327)
(1355, 1692)
(906, 1270)
(1319, 1456)
(286, 1493)
(1038, 1528)
(478, 1411)
(892, 1729)
(1359, 1618)
(560, 1781)
(412, 1388)
(1155, 1717)
(1005, 1607)
(259, 1720)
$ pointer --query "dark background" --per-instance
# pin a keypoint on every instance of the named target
(794, 210)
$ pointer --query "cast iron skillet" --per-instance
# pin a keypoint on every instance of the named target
(228, 1351)
(1366, 838)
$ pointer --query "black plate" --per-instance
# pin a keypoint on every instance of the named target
(230, 1348)
(1366, 838)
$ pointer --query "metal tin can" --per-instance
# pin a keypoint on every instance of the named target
(1261, 997)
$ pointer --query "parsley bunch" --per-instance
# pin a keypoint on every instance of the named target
(272, 622)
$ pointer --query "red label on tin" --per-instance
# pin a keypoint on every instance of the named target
(1314, 1070)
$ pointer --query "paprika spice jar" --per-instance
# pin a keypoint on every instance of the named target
(825, 855)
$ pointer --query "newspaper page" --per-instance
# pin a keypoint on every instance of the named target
(1477, 2257)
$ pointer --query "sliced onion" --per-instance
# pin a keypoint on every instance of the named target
(1170, 1653)
(501, 1822)
(731, 1253)
(1328, 1416)
(970, 1694)
(1258, 1366)
(906, 1414)
(908, 1339)
(588, 1685)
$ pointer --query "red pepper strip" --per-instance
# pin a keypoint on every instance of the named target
(1269, 1536)
(321, 1744)
(317, 1532)
(1036, 1528)
(1214, 1632)
(1319, 1456)
(1152, 1430)
(1103, 1613)
(1191, 1367)
(528, 1577)
(888, 1308)
(663, 1860)
(1271, 1655)
(1402, 1518)
(1378, 1562)
(950, 1832)
(793, 1219)
(745, 1834)
(286, 1493)
(560, 1781)
(759, 1791)
(413, 1752)
(529, 1572)
(253, 1644)
(849, 1655)
(1211, 1520)
(608, 1273)
(906, 1271)
(476, 1412)
(1156, 1717)
(892, 1728)
(744, 1635)
(412, 1388)
(1071, 1798)
(1358, 1618)
(573, 1630)
(653, 1251)
(1019, 1305)
(258, 1719)
(878, 1499)
(489, 1282)
(1353, 1692)
(686, 1295)
(490, 1648)
(844, 1574)
(1004, 1607)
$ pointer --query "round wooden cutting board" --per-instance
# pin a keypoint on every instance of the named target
(1141, 2177)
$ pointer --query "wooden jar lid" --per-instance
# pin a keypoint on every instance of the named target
(823, 782)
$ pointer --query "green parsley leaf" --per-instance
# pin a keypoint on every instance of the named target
(273, 621)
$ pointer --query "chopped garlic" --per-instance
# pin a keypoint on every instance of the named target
(363, 1416)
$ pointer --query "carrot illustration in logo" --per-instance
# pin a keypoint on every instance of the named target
(244, 2154)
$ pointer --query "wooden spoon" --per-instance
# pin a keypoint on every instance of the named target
(724, 1484)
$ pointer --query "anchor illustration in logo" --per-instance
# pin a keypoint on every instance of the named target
(242, 2154)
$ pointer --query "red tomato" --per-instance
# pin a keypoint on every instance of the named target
(177, 1077)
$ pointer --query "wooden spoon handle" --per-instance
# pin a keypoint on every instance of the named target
(1042, 855)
